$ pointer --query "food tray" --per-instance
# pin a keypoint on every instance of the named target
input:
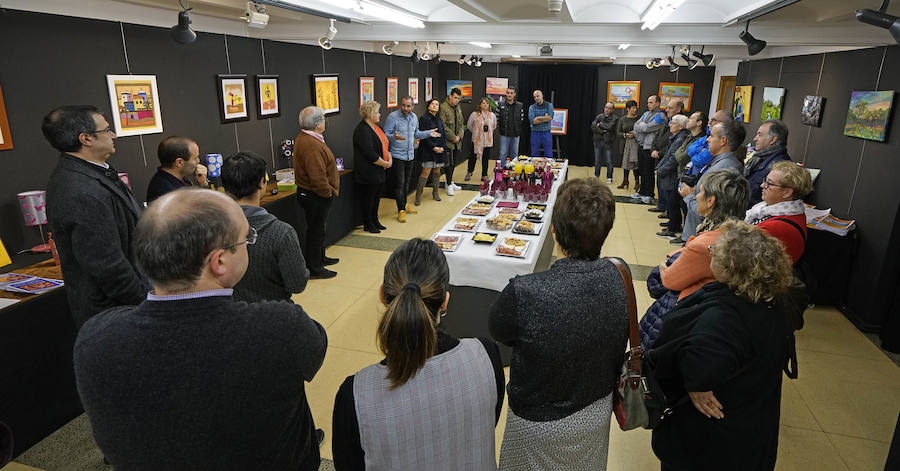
(476, 209)
(467, 227)
(542, 207)
(492, 235)
(508, 204)
(447, 242)
(519, 230)
(490, 223)
(486, 199)
(534, 215)
(505, 249)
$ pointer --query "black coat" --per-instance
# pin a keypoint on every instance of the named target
(93, 216)
(366, 151)
(717, 341)
(426, 122)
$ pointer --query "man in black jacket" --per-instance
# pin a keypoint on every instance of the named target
(512, 115)
(92, 214)
(604, 130)
(179, 161)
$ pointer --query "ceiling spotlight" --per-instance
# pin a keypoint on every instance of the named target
(415, 55)
(706, 59)
(437, 58)
(673, 67)
(462, 59)
(754, 46)
(182, 32)
(389, 48)
(881, 19)
(325, 42)
(686, 55)
(685, 50)
(478, 61)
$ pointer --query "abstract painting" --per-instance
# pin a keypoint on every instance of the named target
(742, 97)
(811, 113)
(5, 136)
(268, 101)
(618, 93)
(465, 86)
(773, 103)
(670, 91)
(393, 89)
(325, 89)
(429, 90)
(366, 89)
(495, 87)
(233, 98)
(560, 123)
(135, 104)
(869, 114)
(414, 89)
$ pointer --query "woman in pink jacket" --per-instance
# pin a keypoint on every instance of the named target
(481, 124)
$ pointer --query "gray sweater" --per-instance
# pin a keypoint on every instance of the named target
(277, 268)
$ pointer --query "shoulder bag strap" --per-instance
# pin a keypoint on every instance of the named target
(796, 226)
(634, 338)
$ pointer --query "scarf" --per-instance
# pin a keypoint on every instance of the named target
(761, 155)
(762, 211)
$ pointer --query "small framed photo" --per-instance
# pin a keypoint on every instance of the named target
(135, 104)
(268, 99)
(429, 91)
(366, 89)
(232, 90)
(560, 123)
(414, 89)
(325, 90)
(393, 89)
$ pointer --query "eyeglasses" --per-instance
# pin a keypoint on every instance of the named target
(766, 184)
(710, 248)
(108, 129)
(250, 240)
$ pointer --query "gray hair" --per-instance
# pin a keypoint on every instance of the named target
(778, 129)
(680, 120)
(732, 193)
(311, 117)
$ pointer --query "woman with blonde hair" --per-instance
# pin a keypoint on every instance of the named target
(434, 401)
(481, 124)
(723, 348)
(371, 158)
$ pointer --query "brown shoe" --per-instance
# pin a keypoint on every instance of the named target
(411, 209)
(623, 185)
(401, 216)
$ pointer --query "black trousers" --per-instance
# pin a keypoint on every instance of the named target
(646, 165)
(675, 210)
(485, 157)
(399, 176)
(451, 164)
(315, 208)
(369, 198)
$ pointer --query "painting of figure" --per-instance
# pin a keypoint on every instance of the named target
(811, 113)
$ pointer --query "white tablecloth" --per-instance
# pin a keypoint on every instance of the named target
(476, 265)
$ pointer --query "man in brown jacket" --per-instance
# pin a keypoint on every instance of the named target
(455, 127)
(318, 183)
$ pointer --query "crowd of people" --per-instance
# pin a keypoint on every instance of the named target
(191, 355)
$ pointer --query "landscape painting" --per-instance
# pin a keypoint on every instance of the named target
(811, 113)
(773, 103)
(742, 97)
(671, 91)
(495, 87)
(465, 86)
(618, 93)
(868, 114)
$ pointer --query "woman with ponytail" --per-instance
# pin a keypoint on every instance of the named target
(434, 401)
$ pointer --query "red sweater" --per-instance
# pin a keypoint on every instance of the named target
(794, 243)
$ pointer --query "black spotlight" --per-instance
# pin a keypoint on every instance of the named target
(415, 55)
(436, 59)
(462, 59)
(881, 19)
(182, 32)
(707, 59)
(754, 46)
(673, 67)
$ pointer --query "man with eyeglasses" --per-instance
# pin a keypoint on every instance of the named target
(192, 378)
(770, 144)
(92, 214)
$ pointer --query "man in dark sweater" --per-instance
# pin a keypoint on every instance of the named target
(192, 379)
(276, 268)
(179, 161)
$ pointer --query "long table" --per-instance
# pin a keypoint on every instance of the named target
(477, 275)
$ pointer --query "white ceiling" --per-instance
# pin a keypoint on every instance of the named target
(583, 29)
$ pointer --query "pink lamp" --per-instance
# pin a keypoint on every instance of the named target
(34, 210)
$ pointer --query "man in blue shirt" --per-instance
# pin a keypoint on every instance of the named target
(402, 130)
(539, 115)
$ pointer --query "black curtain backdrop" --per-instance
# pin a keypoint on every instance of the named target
(573, 87)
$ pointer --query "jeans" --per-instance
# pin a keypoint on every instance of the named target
(315, 208)
(603, 156)
(509, 148)
(646, 166)
(485, 157)
(399, 175)
(541, 139)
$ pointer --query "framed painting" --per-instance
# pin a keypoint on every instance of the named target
(268, 100)
(325, 90)
(366, 89)
(773, 103)
(465, 86)
(742, 98)
(869, 113)
(233, 97)
(618, 93)
(560, 122)
(134, 100)
(495, 87)
(669, 91)
(414, 89)
(811, 113)
(6, 142)
(429, 91)
(393, 89)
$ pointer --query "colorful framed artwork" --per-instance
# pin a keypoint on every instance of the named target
(465, 86)
(414, 89)
(393, 89)
(742, 98)
(325, 90)
(869, 113)
(811, 113)
(618, 93)
(366, 89)
(429, 91)
(233, 98)
(134, 100)
(773, 103)
(268, 99)
(6, 142)
(670, 91)
(560, 122)
(495, 87)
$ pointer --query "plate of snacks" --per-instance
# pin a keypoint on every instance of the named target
(499, 223)
(528, 227)
(556, 165)
(510, 213)
(534, 215)
(486, 199)
(542, 207)
(512, 247)
(476, 209)
(465, 224)
(484, 238)
(508, 204)
(447, 242)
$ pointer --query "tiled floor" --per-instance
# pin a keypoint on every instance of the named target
(838, 415)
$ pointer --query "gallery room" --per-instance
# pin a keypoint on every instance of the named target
(449, 234)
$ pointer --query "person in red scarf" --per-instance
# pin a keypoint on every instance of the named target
(371, 158)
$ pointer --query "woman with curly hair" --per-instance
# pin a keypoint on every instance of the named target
(723, 347)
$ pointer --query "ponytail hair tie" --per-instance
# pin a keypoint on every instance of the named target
(414, 286)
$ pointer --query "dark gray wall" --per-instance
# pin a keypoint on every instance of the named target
(858, 176)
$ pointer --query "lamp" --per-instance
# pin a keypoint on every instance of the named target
(654, 63)
(881, 19)
(754, 46)
(686, 55)
(34, 210)
(461, 60)
(673, 67)
(325, 42)
(389, 48)
(182, 32)
(478, 61)
(707, 59)
(415, 55)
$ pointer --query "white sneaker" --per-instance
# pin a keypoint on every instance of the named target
(608, 181)
(456, 187)
(450, 190)
(636, 196)
(647, 199)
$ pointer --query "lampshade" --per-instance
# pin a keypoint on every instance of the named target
(33, 206)
(754, 46)
(182, 32)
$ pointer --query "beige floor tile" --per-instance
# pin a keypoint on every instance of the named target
(325, 302)
(642, 296)
(860, 454)
(827, 330)
(630, 451)
(18, 467)
(358, 268)
(794, 411)
(617, 247)
(339, 363)
(804, 450)
(355, 328)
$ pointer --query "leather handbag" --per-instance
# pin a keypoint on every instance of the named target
(628, 397)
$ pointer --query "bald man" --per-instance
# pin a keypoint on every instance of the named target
(179, 161)
(191, 379)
